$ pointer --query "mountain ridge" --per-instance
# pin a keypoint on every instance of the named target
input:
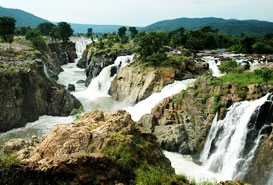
(226, 26)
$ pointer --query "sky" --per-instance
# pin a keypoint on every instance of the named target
(141, 12)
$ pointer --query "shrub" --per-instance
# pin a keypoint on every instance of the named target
(228, 66)
(152, 176)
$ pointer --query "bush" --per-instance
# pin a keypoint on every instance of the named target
(156, 59)
(228, 66)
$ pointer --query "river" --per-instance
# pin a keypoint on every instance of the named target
(96, 97)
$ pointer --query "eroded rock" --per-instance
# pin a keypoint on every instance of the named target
(101, 147)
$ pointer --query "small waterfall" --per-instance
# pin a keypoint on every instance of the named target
(213, 65)
(80, 44)
(100, 85)
(232, 142)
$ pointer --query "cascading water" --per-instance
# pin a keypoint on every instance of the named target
(145, 106)
(213, 65)
(232, 142)
(100, 85)
(96, 95)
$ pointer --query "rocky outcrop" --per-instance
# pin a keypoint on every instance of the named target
(63, 53)
(26, 93)
(182, 122)
(181, 126)
(57, 55)
(135, 83)
(99, 148)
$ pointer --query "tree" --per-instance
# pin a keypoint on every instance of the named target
(65, 31)
(151, 46)
(45, 28)
(36, 39)
(133, 31)
(54, 33)
(89, 34)
(7, 28)
(122, 34)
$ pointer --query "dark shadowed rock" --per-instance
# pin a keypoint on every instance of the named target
(27, 93)
(71, 87)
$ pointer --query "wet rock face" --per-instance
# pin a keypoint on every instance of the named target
(29, 93)
(99, 147)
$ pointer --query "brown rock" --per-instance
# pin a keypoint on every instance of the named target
(99, 147)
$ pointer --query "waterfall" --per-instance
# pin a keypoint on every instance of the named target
(213, 65)
(100, 85)
(232, 142)
(80, 44)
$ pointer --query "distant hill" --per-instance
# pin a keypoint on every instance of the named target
(22, 18)
(188, 23)
(226, 26)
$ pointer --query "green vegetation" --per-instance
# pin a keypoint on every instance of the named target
(76, 113)
(9, 172)
(36, 39)
(7, 28)
(65, 31)
(262, 76)
(227, 27)
(11, 75)
(153, 176)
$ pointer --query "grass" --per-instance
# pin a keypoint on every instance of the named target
(244, 79)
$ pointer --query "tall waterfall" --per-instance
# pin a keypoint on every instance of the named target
(232, 142)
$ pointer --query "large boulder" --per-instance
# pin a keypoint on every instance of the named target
(100, 147)
(26, 93)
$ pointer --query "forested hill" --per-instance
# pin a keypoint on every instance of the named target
(22, 18)
(226, 26)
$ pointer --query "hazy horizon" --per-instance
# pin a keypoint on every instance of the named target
(141, 13)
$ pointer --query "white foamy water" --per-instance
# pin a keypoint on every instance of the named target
(145, 106)
(185, 165)
(213, 65)
(223, 152)
(42, 126)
